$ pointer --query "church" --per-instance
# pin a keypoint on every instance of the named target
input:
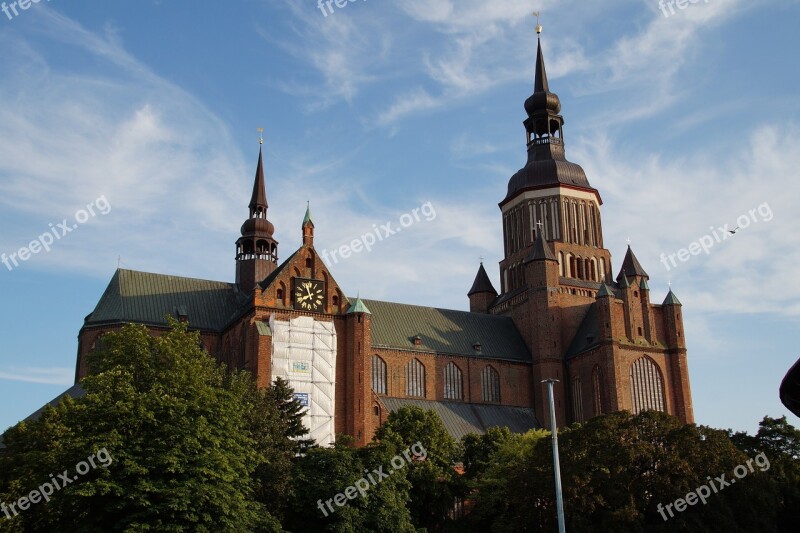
(559, 314)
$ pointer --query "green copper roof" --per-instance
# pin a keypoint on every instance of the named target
(643, 284)
(446, 331)
(142, 297)
(307, 218)
(358, 307)
(671, 299)
(623, 282)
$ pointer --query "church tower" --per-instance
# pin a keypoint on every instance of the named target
(256, 249)
(551, 196)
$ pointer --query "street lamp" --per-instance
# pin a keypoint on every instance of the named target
(556, 463)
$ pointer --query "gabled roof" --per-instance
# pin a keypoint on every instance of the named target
(631, 266)
(464, 418)
(147, 298)
(482, 283)
(266, 282)
(446, 331)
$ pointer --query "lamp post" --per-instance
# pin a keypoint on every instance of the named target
(556, 463)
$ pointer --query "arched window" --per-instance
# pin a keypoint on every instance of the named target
(597, 390)
(561, 269)
(490, 385)
(577, 399)
(453, 382)
(647, 386)
(415, 379)
(378, 375)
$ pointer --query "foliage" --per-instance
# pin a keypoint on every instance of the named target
(183, 434)
(436, 484)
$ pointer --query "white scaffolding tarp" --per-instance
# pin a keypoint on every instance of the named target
(304, 354)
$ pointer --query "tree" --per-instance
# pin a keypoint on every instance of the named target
(323, 473)
(619, 471)
(185, 438)
(436, 485)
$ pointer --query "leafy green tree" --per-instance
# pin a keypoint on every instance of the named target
(185, 437)
(323, 473)
(618, 472)
(478, 450)
(436, 484)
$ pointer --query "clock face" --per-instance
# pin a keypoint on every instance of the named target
(308, 294)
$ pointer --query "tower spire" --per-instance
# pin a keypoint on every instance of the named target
(258, 201)
(256, 249)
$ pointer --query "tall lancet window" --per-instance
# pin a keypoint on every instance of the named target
(647, 386)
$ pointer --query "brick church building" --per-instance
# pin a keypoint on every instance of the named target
(560, 313)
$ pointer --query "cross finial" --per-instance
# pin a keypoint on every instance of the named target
(538, 26)
(629, 241)
(260, 135)
(540, 224)
(481, 258)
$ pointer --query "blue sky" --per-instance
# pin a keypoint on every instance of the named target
(683, 122)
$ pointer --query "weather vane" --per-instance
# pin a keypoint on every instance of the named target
(260, 135)
(538, 26)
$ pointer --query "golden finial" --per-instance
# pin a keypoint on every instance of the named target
(538, 26)
(260, 135)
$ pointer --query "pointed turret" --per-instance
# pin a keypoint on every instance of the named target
(671, 299)
(482, 293)
(256, 249)
(358, 307)
(541, 250)
(631, 267)
(604, 291)
(308, 227)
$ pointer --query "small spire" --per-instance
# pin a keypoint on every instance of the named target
(671, 299)
(307, 219)
(541, 250)
(631, 266)
(482, 283)
(358, 307)
(259, 198)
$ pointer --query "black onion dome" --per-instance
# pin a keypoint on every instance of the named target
(257, 225)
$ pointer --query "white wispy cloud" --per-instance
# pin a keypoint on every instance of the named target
(680, 200)
(46, 376)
